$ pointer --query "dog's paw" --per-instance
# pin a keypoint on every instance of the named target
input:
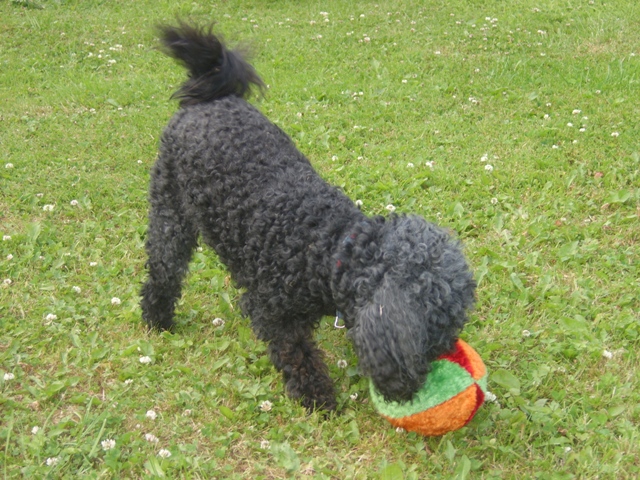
(314, 393)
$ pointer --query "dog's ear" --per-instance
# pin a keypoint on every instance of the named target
(390, 341)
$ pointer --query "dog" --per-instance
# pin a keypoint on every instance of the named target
(297, 246)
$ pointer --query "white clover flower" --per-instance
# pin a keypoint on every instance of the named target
(334, 158)
(39, 195)
(526, 333)
(139, 162)
(186, 413)
(74, 203)
(8, 376)
(7, 282)
(51, 317)
(607, 354)
(217, 322)
(484, 158)
(164, 453)
(494, 201)
(342, 364)
(359, 203)
(10, 257)
(569, 124)
(354, 396)
(437, 52)
(76, 289)
(410, 165)
(151, 414)
(48, 208)
(266, 406)
(429, 164)
(615, 134)
(108, 444)
(366, 39)
(576, 112)
(567, 449)
(93, 264)
(391, 208)
(400, 430)
(128, 381)
(555, 147)
(35, 430)
(488, 168)
(9, 165)
(51, 461)
(6, 238)
(115, 301)
(150, 437)
(490, 397)
(583, 129)
(404, 80)
(546, 116)
(598, 92)
(264, 444)
(145, 359)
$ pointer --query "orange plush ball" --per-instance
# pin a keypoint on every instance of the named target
(454, 390)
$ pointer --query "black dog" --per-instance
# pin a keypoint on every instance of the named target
(298, 246)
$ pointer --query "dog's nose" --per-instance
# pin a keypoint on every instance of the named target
(396, 390)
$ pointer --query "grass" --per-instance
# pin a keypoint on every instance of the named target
(400, 103)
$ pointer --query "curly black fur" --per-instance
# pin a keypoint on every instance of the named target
(214, 71)
(298, 246)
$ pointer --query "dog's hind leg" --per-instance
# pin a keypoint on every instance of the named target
(171, 238)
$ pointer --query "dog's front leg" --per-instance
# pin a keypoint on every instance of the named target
(305, 373)
(292, 350)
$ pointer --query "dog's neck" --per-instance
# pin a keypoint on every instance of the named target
(349, 258)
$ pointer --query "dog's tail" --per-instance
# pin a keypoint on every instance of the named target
(214, 70)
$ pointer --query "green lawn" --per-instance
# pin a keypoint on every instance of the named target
(514, 124)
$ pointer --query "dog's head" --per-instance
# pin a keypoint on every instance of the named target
(413, 294)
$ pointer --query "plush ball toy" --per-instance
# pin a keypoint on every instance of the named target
(453, 392)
